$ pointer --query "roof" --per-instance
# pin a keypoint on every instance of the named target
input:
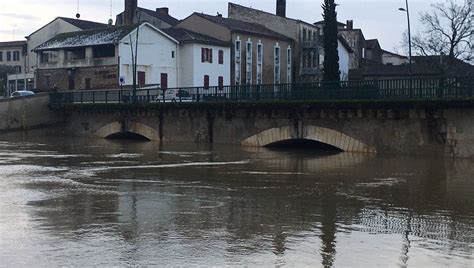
(12, 44)
(422, 66)
(371, 43)
(84, 24)
(393, 54)
(187, 36)
(161, 16)
(321, 22)
(81, 24)
(233, 5)
(243, 26)
(104, 36)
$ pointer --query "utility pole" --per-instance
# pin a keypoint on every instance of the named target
(407, 10)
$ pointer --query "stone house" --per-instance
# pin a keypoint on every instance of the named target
(95, 59)
(132, 14)
(306, 36)
(422, 67)
(258, 54)
(373, 51)
(14, 54)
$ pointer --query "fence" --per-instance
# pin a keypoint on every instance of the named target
(397, 89)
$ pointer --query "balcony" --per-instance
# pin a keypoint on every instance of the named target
(310, 71)
(310, 44)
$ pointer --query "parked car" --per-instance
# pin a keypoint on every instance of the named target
(173, 95)
(21, 93)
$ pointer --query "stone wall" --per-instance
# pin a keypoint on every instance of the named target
(26, 113)
(413, 131)
(103, 77)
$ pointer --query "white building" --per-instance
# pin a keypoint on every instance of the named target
(101, 58)
(344, 52)
(390, 58)
(95, 59)
(204, 61)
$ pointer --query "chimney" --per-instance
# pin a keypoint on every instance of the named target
(281, 8)
(130, 12)
(163, 10)
(350, 25)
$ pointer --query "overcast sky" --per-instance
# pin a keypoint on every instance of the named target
(377, 18)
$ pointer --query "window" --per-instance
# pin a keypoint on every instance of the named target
(106, 51)
(18, 69)
(221, 82)
(49, 56)
(237, 61)
(172, 54)
(88, 83)
(164, 81)
(288, 65)
(1, 55)
(141, 78)
(259, 62)
(206, 82)
(221, 56)
(16, 55)
(249, 62)
(315, 60)
(206, 55)
(9, 56)
(75, 54)
(276, 63)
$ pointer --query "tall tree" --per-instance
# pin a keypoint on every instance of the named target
(447, 30)
(331, 56)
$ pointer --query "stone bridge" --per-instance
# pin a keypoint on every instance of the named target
(363, 128)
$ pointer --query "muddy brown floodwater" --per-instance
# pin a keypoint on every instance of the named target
(120, 203)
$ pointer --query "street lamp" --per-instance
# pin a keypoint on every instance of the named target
(409, 31)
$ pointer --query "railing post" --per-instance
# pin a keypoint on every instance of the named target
(106, 96)
(82, 97)
(93, 97)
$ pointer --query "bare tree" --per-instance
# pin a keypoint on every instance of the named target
(448, 31)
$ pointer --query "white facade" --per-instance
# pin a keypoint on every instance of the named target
(344, 58)
(389, 58)
(157, 54)
(193, 69)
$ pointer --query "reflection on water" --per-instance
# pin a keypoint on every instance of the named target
(96, 202)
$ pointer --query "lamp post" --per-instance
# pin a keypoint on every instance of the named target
(409, 32)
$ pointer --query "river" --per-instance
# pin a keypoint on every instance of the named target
(79, 202)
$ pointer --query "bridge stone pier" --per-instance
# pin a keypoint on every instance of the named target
(383, 128)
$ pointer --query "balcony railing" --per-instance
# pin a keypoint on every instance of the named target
(425, 89)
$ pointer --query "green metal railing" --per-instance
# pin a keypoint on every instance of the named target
(455, 88)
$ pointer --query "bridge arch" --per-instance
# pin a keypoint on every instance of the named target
(320, 134)
(133, 127)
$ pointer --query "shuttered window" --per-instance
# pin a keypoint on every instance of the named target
(206, 82)
(221, 83)
(221, 56)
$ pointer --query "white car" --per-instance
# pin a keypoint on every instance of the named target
(173, 95)
(21, 93)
